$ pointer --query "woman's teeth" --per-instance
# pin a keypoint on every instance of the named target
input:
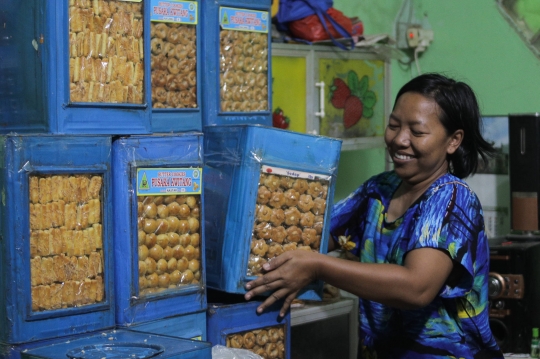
(402, 157)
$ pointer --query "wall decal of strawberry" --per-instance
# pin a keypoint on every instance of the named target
(339, 92)
(279, 119)
(354, 97)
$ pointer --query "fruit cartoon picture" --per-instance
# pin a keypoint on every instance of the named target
(279, 119)
(354, 97)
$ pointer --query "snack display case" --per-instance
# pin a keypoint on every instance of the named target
(55, 257)
(174, 69)
(158, 247)
(81, 65)
(236, 49)
(236, 324)
(112, 344)
(268, 191)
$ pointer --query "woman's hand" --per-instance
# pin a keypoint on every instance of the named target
(285, 276)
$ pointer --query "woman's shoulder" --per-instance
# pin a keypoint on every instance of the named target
(450, 183)
(451, 188)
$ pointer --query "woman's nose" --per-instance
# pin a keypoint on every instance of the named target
(402, 138)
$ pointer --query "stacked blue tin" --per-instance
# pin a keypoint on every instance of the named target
(140, 167)
(102, 219)
(267, 190)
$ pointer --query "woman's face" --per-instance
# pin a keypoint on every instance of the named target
(417, 141)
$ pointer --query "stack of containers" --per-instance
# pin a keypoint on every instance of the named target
(266, 190)
(80, 75)
(158, 188)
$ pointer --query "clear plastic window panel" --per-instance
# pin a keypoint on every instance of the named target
(174, 65)
(243, 71)
(289, 215)
(268, 342)
(106, 51)
(66, 241)
(169, 242)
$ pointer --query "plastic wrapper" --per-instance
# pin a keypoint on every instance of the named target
(106, 51)
(267, 342)
(289, 215)
(169, 242)
(223, 352)
(243, 71)
(173, 65)
(66, 241)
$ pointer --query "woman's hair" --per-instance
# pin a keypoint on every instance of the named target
(459, 111)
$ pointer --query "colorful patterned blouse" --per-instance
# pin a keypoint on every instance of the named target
(447, 216)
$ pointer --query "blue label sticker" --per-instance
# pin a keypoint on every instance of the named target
(170, 181)
(184, 12)
(243, 20)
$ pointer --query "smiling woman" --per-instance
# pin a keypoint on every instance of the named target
(424, 258)
(419, 145)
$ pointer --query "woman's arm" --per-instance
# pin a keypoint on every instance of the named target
(413, 285)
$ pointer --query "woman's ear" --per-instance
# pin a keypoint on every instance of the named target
(455, 141)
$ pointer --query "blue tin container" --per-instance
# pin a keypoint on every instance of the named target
(237, 325)
(267, 191)
(236, 49)
(112, 344)
(158, 231)
(189, 326)
(75, 67)
(55, 255)
(175, 62)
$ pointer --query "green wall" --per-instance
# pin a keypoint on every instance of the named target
(472, 42)
(355, 167)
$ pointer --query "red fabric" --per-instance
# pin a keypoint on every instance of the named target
(311, 29)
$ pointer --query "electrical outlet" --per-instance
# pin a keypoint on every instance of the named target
(413, 37)
(426, 35)
(418, 36)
